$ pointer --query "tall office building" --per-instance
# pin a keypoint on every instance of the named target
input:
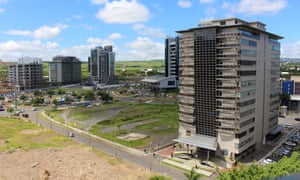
(229, 87)
(26, 74)
(65, 70)
(172, 56)
(102, 65)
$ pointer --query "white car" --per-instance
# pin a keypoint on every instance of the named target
(71, 134)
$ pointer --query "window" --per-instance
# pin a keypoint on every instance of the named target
(246, 103)
(246, 52)
(251, 129)
(249, 121)
(188, 133)
(245, 113)
(171, 83)
(240, 135)
(248, 34)
(248, 42)
(247, 73)
(247, 63)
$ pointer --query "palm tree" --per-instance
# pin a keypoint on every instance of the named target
(192, 175)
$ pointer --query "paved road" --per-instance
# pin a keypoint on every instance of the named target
(128, 154)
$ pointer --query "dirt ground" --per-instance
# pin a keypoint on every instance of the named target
(74, 162)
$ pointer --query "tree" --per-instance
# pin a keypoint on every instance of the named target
(89, 95)
(37, 93)
(22, 98)
(104, 96)
(284, 99)
(192, 175)
(50, 92)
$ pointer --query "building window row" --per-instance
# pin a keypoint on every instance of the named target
(247, 83)
(245, 52)
(249, 121)
(271, 40)
(240, 135)
(275, 72)
(246, 103)
(246, 62)
(274, 94)
(243, 143)
(275, 64)
(274, 102)
(248, 34)
(275, 56)
(248, 42)
(247, 93)
(247, 73)
(275, 48)
(245, 113)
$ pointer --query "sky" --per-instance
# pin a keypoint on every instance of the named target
(136, 28)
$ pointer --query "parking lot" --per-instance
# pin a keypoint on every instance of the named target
(288, 142)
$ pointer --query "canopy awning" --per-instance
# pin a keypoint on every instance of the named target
(199, 140)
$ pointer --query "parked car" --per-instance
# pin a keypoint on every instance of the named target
(71, 134)
(297, 118)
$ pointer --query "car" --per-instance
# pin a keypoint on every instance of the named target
(297, 118)
(89, 106)
(34, 109)
(71, 134)
(2, 109)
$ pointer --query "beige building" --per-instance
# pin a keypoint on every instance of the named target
(229, 87)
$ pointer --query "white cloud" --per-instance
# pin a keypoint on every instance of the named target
(290, 50)
(18, 32)
(142, 48)
(88, 27)
(251, 7)
(107, 41)
(123, 12)
(12, 50)
(114, 36)
(98, 2)
(206, 1)
(1, 10)
(46, 32)
(51, 45)
(148, 31)
(184, 3)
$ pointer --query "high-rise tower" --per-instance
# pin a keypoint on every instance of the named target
(229, 86)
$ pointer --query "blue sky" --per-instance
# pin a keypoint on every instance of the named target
(135, 28)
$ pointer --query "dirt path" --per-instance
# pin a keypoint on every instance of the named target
(127, 126)
(87, 124)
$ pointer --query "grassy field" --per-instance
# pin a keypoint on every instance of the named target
(163, 120)
(83, 113)
(18, 134)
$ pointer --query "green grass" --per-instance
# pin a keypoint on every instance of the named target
(18, 134)
(55, 114)
(83, 113)
(165, 121)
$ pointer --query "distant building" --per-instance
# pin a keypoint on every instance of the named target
(229, 87)
(172, 56)
(26, 74)
(65, 70)
(102, 65)
(158, 83)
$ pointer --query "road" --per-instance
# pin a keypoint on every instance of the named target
(137, 157)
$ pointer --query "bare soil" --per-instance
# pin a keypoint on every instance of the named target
(72, 162)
